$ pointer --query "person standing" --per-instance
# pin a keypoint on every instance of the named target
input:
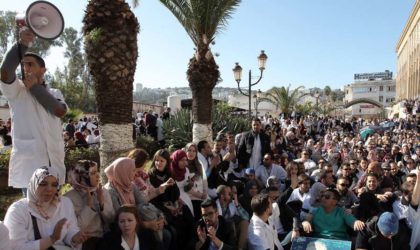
(253, 146)
(36, 110)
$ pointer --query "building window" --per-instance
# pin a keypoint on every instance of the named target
(370, 89)
(381, 88)
(381, 98)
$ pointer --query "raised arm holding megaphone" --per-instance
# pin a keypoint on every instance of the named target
(36, 110)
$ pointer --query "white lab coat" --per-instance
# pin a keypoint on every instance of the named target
(37, 135)
(4, 236)
(18, 221)
(262, 236)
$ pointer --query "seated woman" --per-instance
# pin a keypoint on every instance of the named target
(178, 216)
(181, 174)
(43, 219)
(126, 234)
(330, 221)
(141, 178)
(198, 192)
(92, 205)
(122, 192)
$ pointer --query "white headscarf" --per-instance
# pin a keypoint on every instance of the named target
(37, 177)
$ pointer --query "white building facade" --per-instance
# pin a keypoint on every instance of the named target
(376, 87)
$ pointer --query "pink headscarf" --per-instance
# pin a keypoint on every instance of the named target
(120, 175)
(177, 172)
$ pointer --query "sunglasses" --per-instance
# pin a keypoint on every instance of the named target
(343, 184)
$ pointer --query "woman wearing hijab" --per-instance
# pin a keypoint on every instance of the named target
(43, 219)
(123, 191)
(181, 175)
(120, 176)
(80, 140)
(178, 216)
(92, 205)
(198, 192)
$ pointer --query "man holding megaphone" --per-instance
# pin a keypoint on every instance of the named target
(36, 110)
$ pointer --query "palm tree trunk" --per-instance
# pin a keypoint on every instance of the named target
(110, 30)
(203, 74)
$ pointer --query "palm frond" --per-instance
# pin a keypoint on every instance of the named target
(202, 19)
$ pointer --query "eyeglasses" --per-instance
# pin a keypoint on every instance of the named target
(386, 169)
(353, 163)
(348, 169)
(343, 184)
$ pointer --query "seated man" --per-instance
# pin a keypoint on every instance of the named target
(261, 232)
(213, 231)
(229, 208)
(329, 220)
(382, 233)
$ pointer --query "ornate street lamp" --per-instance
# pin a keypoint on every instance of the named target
(237, 73)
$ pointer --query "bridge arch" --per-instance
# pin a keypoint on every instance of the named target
(363, 100)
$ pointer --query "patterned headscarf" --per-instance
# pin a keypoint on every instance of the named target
(37, 177)
(177, 172)
(120, 175)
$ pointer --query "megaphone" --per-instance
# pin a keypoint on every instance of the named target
(43, 18)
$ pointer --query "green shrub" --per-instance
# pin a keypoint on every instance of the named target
(81, 153)
(147, 143)
(73, 114)
(4, 159)
(178, 130)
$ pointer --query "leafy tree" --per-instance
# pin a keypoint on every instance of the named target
(305, 108)
(202, 20)
(8, 35)
(283, 98)
(327, 91)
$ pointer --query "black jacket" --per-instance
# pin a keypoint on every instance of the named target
(247, 143)
(225, 232)
(112, 241)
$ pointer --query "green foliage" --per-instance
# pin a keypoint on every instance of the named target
(148, 144)
(95, 35)
(284, 98)
(4, 159)
(73, 114)
(81, 153)
(178, 130)
(224, 120)
(305, 109)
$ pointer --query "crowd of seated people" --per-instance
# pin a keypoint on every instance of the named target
(304, 177)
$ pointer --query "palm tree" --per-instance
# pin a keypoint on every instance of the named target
(283, 98)
(202, 20)
(327, 91)
(110, 30)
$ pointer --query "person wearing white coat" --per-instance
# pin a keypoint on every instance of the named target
(36, 110)
(44, 218)
(4, 236)
(261, 232)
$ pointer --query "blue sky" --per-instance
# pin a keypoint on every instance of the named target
(308, 42)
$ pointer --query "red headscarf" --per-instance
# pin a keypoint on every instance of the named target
(177, 172)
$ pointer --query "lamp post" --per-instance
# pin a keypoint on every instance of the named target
(256, 96)
(237, 72)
